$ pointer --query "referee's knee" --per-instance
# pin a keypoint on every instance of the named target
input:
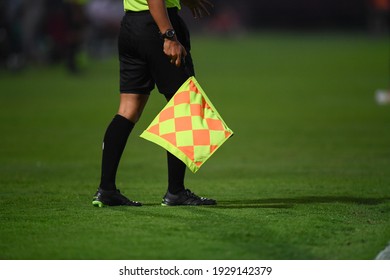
(131, 106)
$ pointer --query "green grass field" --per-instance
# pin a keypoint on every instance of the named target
(306, 176)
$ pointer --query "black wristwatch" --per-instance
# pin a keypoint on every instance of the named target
(169, 34)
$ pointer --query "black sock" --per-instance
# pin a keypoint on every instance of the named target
(114, 143)
(176, 172)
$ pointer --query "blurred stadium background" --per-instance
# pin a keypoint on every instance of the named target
(49, 31)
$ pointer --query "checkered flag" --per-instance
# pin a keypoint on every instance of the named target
(189, 126)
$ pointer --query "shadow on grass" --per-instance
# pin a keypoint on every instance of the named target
(275, 203)
(290, 202)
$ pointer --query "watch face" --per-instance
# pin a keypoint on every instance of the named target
(170, 33)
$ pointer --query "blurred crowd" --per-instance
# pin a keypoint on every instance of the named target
(46, 32)
(54, 31)
(379, 16)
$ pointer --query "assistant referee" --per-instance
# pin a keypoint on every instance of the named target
(154, 49)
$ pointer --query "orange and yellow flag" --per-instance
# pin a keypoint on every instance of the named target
(189, 126)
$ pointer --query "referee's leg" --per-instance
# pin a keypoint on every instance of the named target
(131, 105)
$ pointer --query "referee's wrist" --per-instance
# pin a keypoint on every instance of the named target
(169, 34)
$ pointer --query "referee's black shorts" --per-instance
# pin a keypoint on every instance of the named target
(142, 60)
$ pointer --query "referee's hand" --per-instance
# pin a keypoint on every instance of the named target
(175, 51)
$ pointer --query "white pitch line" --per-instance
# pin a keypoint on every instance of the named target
(385, 254)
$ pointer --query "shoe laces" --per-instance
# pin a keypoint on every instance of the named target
(191, 194)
